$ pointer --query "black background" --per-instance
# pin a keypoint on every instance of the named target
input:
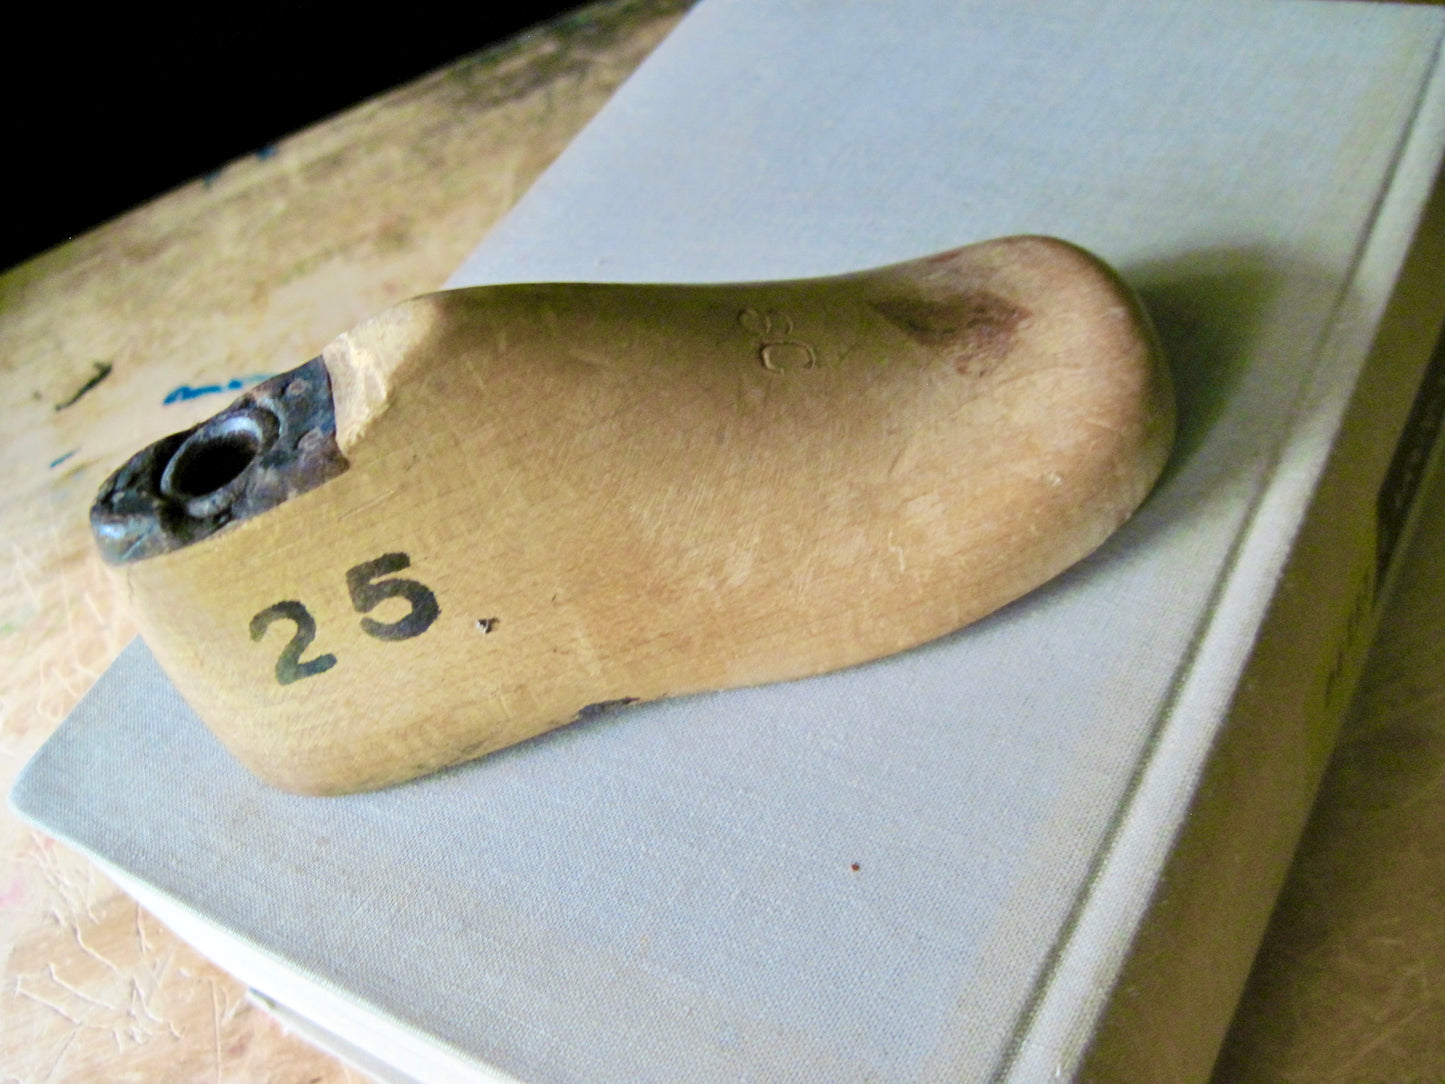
(102, 112)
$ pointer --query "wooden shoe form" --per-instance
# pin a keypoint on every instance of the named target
(489, 512)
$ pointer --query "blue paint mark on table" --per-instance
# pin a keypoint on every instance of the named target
(185, 391)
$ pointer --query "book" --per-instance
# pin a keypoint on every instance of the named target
(1041, 848)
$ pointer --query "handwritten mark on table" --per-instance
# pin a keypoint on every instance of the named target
(102, 370)
(183, 392)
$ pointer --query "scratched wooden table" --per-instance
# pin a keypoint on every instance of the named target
(145, 325)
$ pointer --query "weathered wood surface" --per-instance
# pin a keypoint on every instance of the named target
(266, 264)
(247, 274)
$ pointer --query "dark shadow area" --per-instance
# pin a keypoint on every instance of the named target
(1206, 307)
(107, 108)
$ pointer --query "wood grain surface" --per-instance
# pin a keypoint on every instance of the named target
(146, 325)
(216, 283)
(795, 476)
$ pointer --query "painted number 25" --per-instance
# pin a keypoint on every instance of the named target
(369, 584)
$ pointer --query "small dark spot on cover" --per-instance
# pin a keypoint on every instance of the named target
(102, 370)
(855, 867)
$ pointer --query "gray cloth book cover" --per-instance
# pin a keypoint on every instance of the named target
(930, 867)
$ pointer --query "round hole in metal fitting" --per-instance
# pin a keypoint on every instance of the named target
(215, 455)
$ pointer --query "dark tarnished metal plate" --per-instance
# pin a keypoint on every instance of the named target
(274, 442)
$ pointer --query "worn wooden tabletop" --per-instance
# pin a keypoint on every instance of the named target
(141, 327)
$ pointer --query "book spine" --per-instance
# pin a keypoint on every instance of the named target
(1191, 956)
